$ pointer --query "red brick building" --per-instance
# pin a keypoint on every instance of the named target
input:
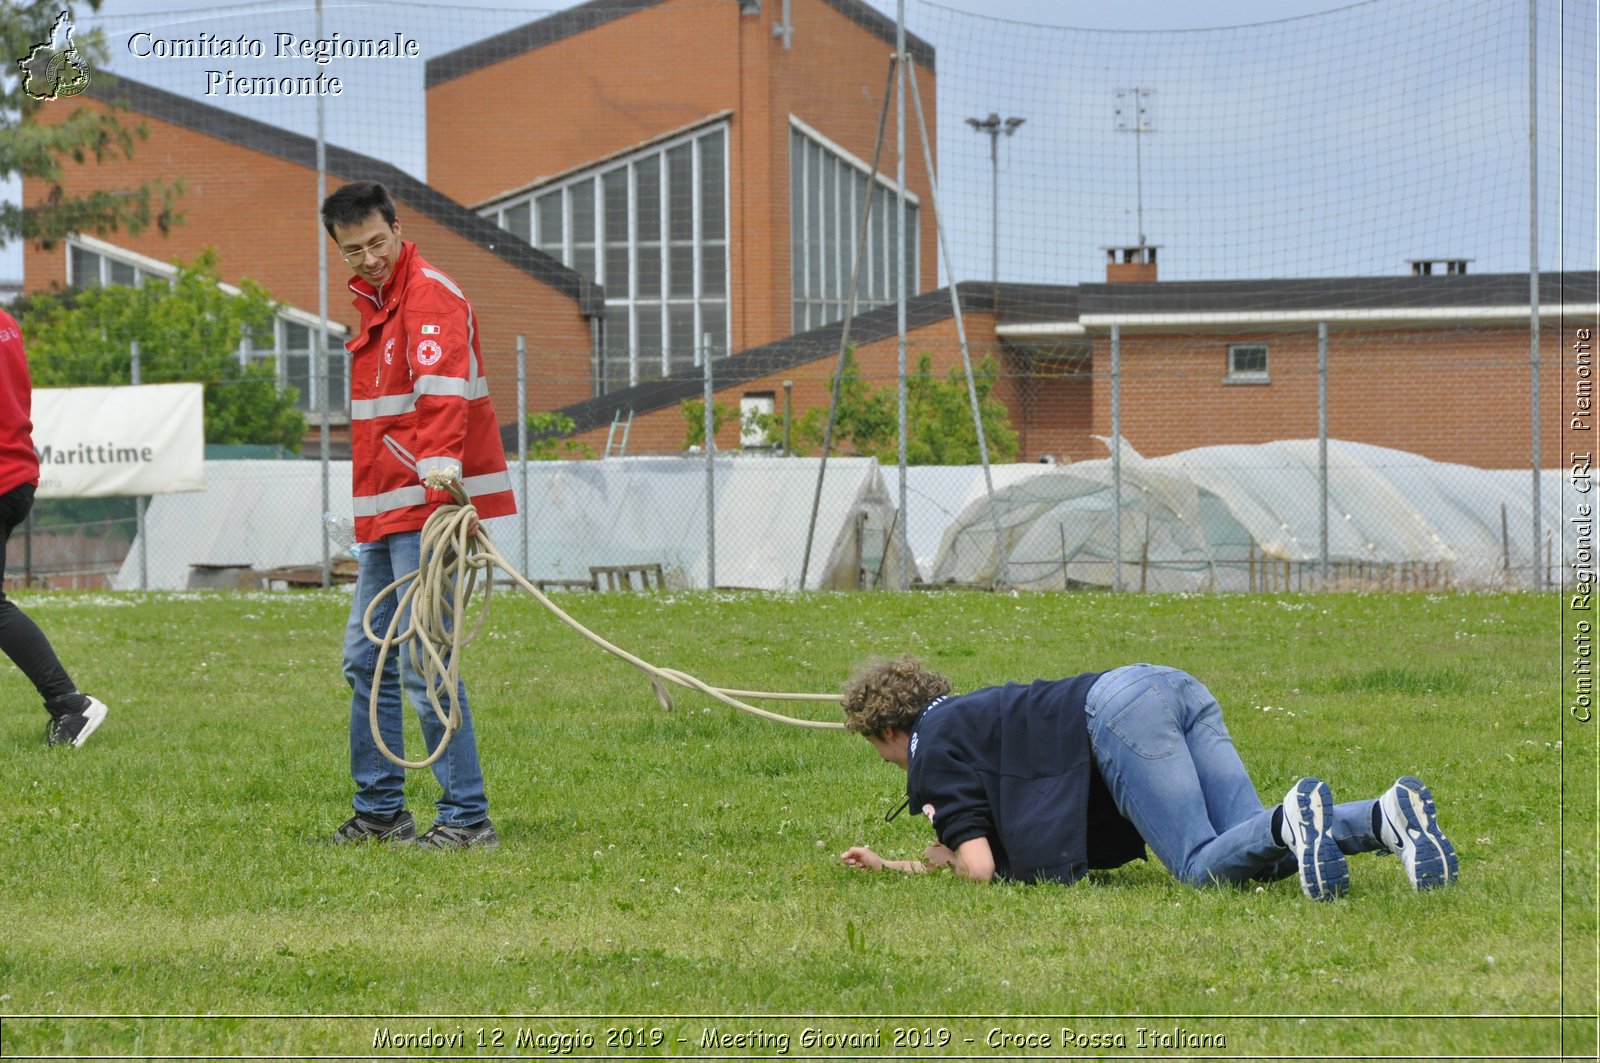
(714, 196)
(1436, 365)
(637, 209)
(250, 193)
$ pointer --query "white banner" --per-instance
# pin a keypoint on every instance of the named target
(146, 440)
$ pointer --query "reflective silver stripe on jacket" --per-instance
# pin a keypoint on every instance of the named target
(408, 459)
(446, 281)
(488, 483)
(376, 505)
(395, 405)
(432, 464)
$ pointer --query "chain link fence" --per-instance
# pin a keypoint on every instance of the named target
(1247, 309)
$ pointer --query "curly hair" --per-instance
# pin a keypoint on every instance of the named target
(887, 695)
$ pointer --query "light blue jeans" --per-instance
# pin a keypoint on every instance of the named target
(380, 784)
(1159, 740)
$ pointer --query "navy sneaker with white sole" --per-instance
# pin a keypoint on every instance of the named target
(1411, 831)
(74, 728)
(1307, 823)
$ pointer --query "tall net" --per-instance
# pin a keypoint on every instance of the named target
(1197, 241)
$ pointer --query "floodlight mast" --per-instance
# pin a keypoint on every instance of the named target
(994, 126)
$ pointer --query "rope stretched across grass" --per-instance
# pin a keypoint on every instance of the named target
(454, 551)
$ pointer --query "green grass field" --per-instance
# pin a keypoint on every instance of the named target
(668, 874)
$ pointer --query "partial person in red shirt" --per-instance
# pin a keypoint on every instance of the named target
(73, 716)
(419, 404)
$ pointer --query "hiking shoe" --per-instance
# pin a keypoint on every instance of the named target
(479, 835)
(1307, 823)
(74, 728)
(1410, 830)
(362, 827)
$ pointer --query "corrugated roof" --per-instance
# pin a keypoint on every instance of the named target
(575, 20)
(1015, 304)
(302, 151)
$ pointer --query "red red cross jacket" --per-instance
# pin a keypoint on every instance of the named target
(419, 402)
(18, 463)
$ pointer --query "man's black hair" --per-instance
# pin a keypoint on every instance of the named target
(351, 204)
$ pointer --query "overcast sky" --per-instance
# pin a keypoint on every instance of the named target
(1252, 167)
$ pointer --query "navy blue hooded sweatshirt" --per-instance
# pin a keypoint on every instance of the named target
(1013, 764)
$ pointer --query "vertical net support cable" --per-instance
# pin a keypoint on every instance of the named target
(1001, 578)
(844, 334)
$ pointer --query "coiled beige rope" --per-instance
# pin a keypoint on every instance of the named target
(454, 551)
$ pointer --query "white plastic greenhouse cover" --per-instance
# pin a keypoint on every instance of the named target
(1195, 520)
(619, 511)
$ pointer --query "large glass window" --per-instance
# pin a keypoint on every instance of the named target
(652, 228)
(827, 193)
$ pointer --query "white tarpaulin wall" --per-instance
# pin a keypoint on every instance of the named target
(621, 511)
(1195, 520)
(937, 494)
(644, 510)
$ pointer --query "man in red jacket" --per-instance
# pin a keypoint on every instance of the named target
(73, 716)
(419, 404)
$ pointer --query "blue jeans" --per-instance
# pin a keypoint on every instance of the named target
(1159, 740)
(380, 783)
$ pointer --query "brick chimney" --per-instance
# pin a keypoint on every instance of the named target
(1131, 265)
(1423, 267)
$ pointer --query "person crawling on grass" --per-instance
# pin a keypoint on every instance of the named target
(1049, 779)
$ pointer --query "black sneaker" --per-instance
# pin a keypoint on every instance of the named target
(74, 728)
(479, 835)
(361, 827)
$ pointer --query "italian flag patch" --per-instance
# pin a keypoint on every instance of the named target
(430, 330)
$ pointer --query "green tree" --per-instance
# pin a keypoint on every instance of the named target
(939, 428)
(546, 442)
(694, 412)
(865, 423)
(939, 418)
(188, 329)
(35, 141)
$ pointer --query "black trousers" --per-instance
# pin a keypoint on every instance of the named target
(20, 637)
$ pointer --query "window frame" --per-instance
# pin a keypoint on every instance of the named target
(1235, 375)
(627, 303)
(823, 234)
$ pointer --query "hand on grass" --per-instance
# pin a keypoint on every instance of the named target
(861, 856)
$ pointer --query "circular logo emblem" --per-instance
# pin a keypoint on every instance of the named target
(428, 352)
(67, 74)
(388, 352)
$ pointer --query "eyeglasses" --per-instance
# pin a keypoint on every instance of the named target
(377, 249)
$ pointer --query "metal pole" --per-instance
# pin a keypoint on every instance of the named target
(788, 405)
(522, 438)
(1116, 456)
(319, 374)
(1322, 437)
(994, 207)
(711, 471)
(136, 377)
(1537, 574)
(900, 295)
